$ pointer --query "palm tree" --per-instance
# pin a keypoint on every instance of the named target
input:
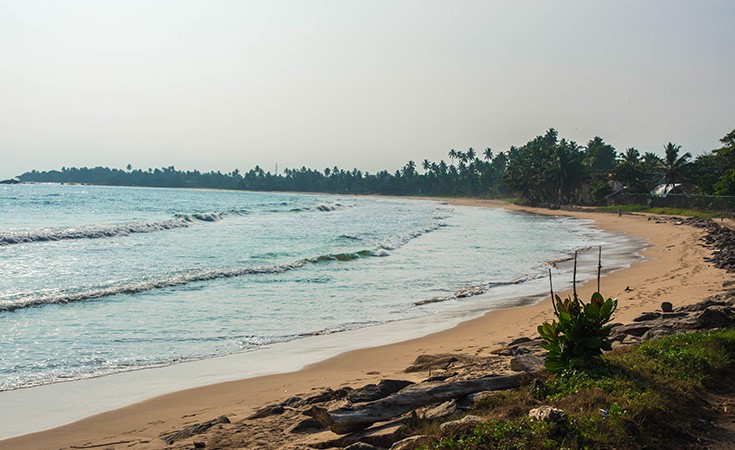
(488, 154)
(631, 155)
(672, 164)
(453, 154)
(470, 155)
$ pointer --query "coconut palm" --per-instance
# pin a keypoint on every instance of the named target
(488, 154)
(453, 154)
(673, 164)
(631, 155)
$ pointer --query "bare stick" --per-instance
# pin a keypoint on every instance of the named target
(551, 289)
(599, 268)
(574, 277)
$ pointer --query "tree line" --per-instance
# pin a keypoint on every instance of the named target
(547, 170)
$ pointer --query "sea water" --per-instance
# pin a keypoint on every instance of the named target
(99, 280)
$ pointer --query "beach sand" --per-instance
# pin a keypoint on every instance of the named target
(676, 271)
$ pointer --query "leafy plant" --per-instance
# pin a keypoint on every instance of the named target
(580, 335)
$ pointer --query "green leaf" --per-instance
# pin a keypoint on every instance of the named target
(597, 299)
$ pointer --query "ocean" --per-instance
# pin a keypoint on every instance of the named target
(100, 280)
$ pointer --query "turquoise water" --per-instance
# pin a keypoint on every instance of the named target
(99, 280)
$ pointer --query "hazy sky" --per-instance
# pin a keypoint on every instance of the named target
(369, 84)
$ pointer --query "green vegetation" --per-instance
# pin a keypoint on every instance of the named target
(664, 211)
(580, 335)
(547, 171)
(648, 396)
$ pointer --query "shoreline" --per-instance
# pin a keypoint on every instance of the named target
(680, 276)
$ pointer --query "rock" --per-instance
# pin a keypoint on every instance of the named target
(308, 425)
(200, 445)
(716, 317)
(293, 402)
(526, 363)
(502, 351)
(193, 430)
(361, 446)
(440, 411)
(674, 315)
(632, 329)
(441, 377)
(548, 414)
(647, 316)
(372, 392)
(383, 436)
(659, 331)
(327, 396)
(520, 340)
(480, 397)
(424, 363)
(411, 442)
(461, 426)
(667, 307)
(266, 411)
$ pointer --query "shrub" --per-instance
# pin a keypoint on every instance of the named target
(580, 335)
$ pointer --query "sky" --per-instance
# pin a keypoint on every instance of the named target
(220, 85)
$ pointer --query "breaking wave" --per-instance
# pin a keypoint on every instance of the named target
(109, 231)
(25, 300)
(90, 231)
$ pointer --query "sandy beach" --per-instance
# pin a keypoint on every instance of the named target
(675, 271)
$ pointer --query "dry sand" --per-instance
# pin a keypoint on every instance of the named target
(675, 272)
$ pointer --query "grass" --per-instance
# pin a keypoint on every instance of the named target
(652, 395)
(663, 211)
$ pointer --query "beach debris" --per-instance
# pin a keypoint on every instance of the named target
(193, 430)
(348, 419)
(548, 414)
(371, 392)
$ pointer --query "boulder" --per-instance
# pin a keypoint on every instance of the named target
(659, 331)
(461, 426)
(667, 307)
(716, 317)
(526, 363)
(440, 411)
(548, 414)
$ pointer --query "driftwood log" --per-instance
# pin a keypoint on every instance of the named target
(349, 419)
